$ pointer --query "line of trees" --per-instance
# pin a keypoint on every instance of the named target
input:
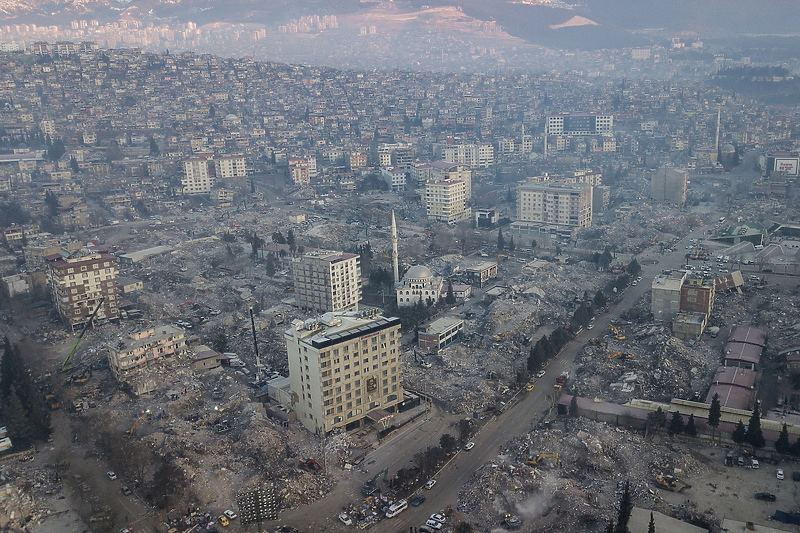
(22, 408)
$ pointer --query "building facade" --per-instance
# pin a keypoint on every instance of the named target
(81, 280)
(580, 124)
(344, 369)
(561, 204)
(230, 166)
(197, 178)
(669, 185)
(142, 349)
(327, 281)
(446, 200)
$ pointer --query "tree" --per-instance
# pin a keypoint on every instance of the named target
(52, 202)
(754, 436)
(228, 237)
(573, 406)
(656, 419)
(738, 433)
(56, 150)
(714, 413)
(17, 420)
(782, 444)
(501, 243)
(270, 266)
(220, 342)
(676, 424)
(155, 151)
(633, 268)
(600, 299)
(290, 240)
(448, 443)
(450, 299)
(651, 527)
(690, 428)
(511, 243)
(534, 244)
(278, 238)
(794, 449)
(625, 510)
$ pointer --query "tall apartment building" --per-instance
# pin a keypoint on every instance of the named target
(356, 160)
(78, 280)
(665, 301)
(553, 203)
(398, 155)
(197, 177)
(474, 155)
(344, 369)
(142, 349)
(578, 124)
(327, 281)
(299, 171)
(669, 185)
(446, 200)
(230, 166)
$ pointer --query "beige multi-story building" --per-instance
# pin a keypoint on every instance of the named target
(579, 124)
(140, 350)
(446, 200)
(80, 280)
(230, 166)
(560, 204)
(197, 178)
(327, 281)
(344, 370)
(299, 170)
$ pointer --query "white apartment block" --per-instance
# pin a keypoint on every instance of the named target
(580, 124)
(446, 200)
(474, 155)
(327, 281)
(197, 178)
(395, 178)
(561, 204)
(232, 166)
(344, 370)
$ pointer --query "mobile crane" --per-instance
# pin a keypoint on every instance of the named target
(65, 366)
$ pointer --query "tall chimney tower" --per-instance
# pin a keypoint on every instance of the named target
(395, 257)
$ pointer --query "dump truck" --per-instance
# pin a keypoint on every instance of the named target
(561, 381)
(669, 482)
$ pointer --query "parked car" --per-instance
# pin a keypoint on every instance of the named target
(417, 500)
(223, 520)
(345, 519)
(430, 483)
(230, 514)
(111, 475)
(438, 517)
(540, 374)
(765, 496)
(433, 524)
(779, 473)
(468, 446)
(125, 490)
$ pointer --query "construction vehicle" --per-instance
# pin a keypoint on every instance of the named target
(52, 401)
(561, 381)
(83, 377)
(65, 364)
(620, 354)
(511, 521)
(136, 423)
(617, 333)
(500, 336)
(597, 341)
(311, 465)
(371, 485)
(538, 460)
(668, 482)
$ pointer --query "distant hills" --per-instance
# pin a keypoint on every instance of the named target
(550, 23)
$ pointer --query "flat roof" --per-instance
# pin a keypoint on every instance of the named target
(141, 255)
(441, 324)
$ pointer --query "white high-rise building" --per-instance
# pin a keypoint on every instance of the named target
(197, 178)
(446, 200)
(230, 166)
(327, 281)
(344, 369)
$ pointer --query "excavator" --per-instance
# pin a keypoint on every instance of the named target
(619, 354)
(371, 485)
(668, 482)
(65, 366)
(136, 423)
(538, 460)
(617, 333)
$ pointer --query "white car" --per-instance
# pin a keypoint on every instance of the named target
(230, 514)
(433, 524)
(438, 517)
(345, 519)
(779, 473)
(111, 475)
(468, 446)
(430, 483)
(540, 374)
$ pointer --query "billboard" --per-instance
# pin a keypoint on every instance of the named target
(787, 165)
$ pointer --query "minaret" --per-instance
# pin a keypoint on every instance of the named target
(719, 113)
(395, 257)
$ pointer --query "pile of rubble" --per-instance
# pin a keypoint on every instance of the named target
(572, 480)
